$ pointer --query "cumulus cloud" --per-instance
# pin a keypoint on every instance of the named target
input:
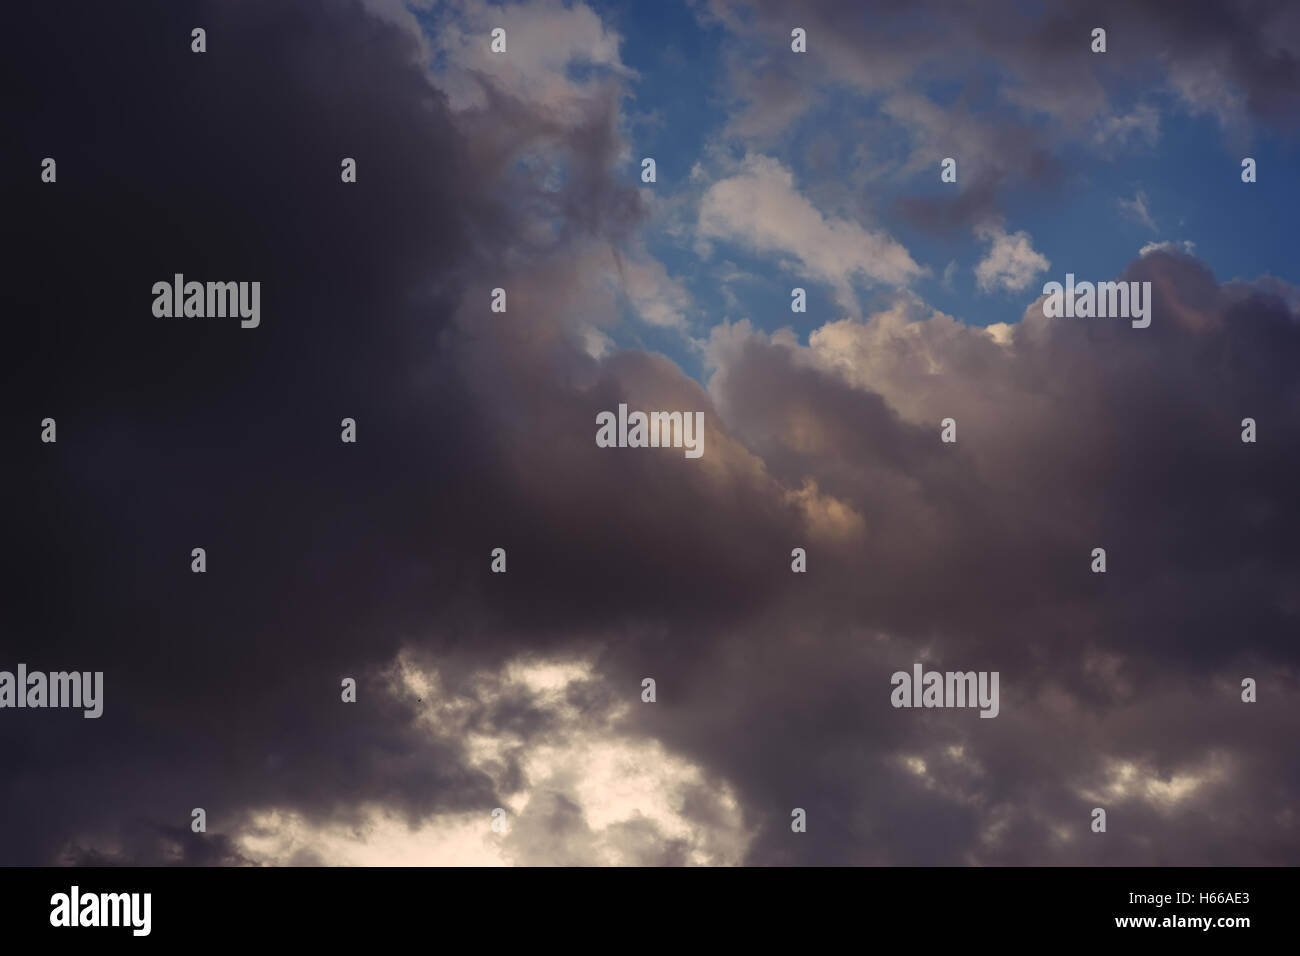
(761, 209)
(1011, 263)
(996, 525)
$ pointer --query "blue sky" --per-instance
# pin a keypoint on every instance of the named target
(687, 86)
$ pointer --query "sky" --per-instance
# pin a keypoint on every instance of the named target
(522, 691)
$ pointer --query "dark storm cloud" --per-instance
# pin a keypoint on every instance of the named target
(976, 556)
(1119, 690)
(476, 431)
(222, 690)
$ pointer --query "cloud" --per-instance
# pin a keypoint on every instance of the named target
(1186, 247)
(1011, 264)
(546, 42)
(1142, 124)
(949, 274)
(761, 209)
(1136, 210)
(992, 151)
(1025, 100)
(858, 407)
(521, 690)
(771, 97)
(581, 788)
(658, 298)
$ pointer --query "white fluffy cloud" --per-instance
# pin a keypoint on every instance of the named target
(1011, 263)
(761, 209)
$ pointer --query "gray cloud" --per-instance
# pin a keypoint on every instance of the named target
(476, 431)
(1031, 94)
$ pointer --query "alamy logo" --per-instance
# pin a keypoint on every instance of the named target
(103, 909)
(655, 430)
(1105, 300)
(199, 300)
(953, 689)
(59, 689)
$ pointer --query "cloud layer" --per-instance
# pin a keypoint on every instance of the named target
(522, 691)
